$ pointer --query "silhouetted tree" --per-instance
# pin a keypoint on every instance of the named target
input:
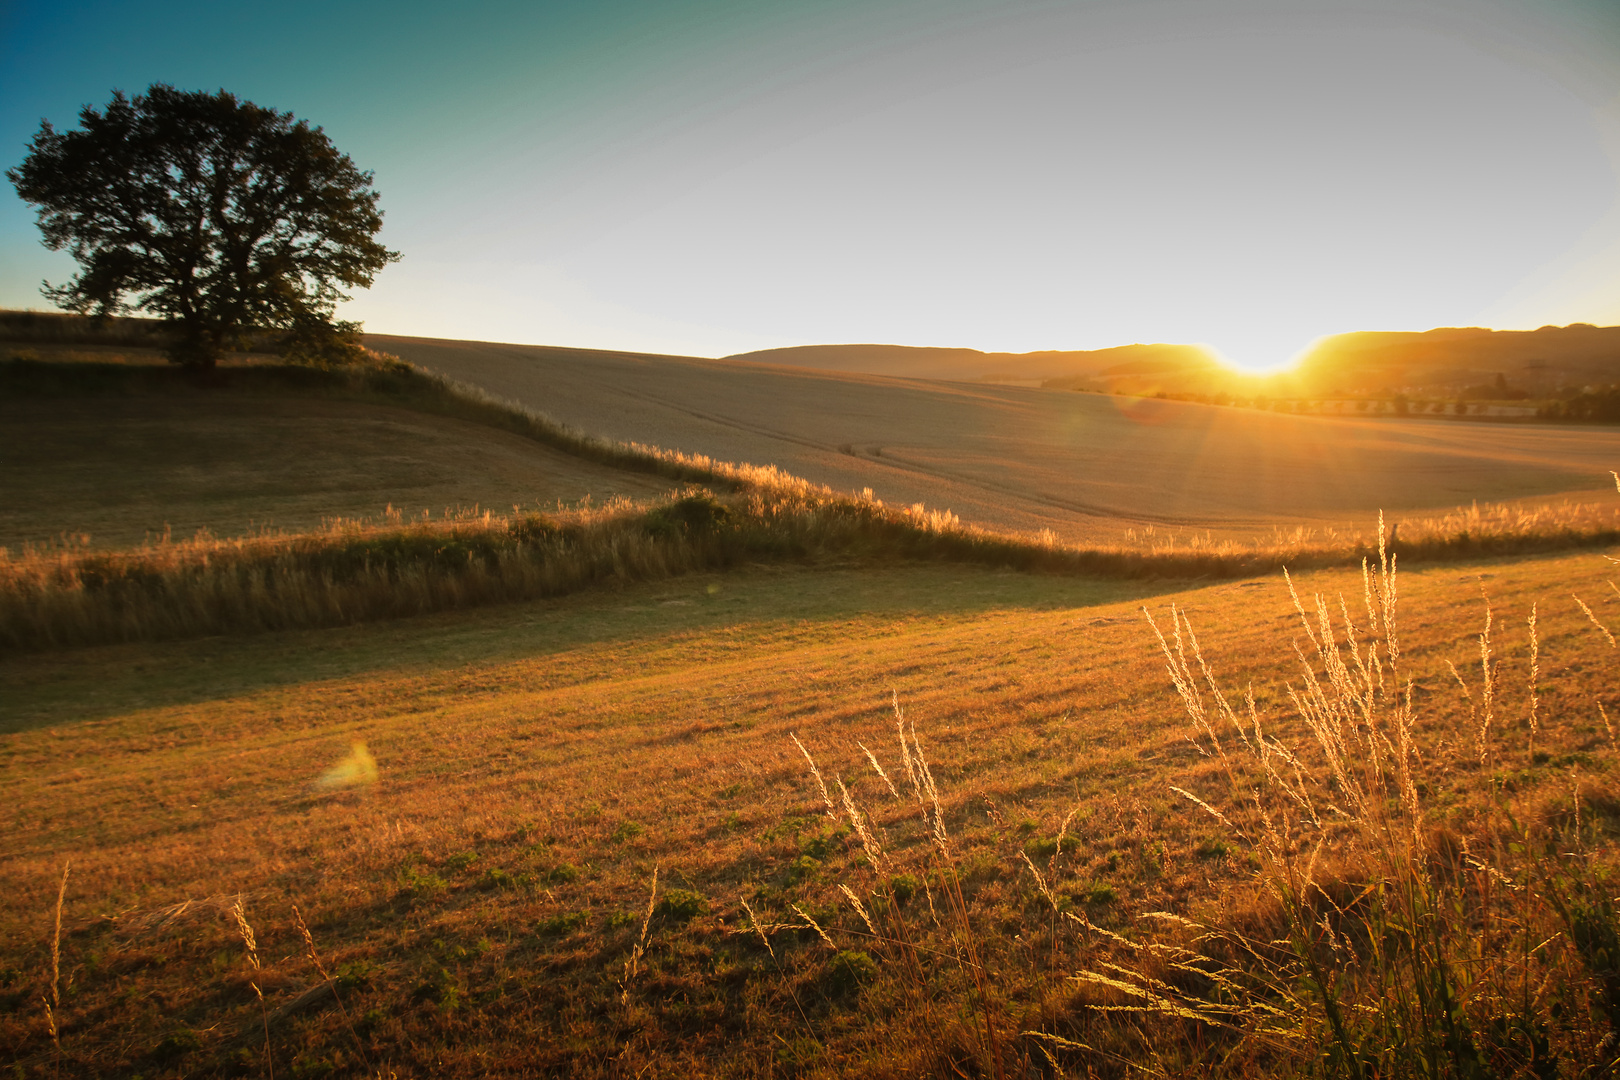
(218, 215)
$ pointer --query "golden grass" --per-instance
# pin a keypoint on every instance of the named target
(479, 901)
(523, 772)
(1418, 953)
(1399, 947)
(361, 570)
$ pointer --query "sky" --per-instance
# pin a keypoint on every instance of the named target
(706, 177)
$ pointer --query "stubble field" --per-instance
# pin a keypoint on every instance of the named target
(1087, 466)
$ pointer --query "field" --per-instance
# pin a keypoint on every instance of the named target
(1089, 467)
(574, 835)
(122, 470)
(535, 764)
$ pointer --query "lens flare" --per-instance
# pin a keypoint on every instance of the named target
(356, 769)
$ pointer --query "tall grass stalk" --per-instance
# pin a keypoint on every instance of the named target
(1403, 950)
(1383, 944)
(889, 929)
(53, 1004)
(251, 944)
(314, 958)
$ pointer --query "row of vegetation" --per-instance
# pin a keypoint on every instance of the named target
(1597, 405)
(1469, 405)
(1485, 401)
(55, 328)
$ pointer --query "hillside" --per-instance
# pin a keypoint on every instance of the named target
(121, 469)
(1448, 362)
(1445, 363)
(1087, 466)
(619, 792)
(971, 365)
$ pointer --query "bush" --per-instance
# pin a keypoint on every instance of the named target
(848, 971)
(496, 878)
(693, 514)
(1041, 847)
(681, 905)
(561, 923)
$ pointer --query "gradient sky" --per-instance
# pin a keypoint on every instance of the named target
(710, 177)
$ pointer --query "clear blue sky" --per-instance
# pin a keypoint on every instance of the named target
(709, 177)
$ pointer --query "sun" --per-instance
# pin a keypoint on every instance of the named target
(1261, 353)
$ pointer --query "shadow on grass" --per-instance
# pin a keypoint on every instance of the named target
(755, 605)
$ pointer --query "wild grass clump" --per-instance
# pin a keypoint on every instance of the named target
(355, 571)
(1385, 943)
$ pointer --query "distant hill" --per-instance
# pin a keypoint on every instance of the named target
(971, 365)
(1446, 363)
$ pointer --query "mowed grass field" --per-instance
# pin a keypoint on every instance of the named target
(1089, 467)
(482, 900)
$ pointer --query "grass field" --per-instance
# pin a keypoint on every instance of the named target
(575, 834)
(534, 764)
(121, 470)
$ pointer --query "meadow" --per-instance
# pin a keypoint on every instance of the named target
(661, 817)
(479, 898)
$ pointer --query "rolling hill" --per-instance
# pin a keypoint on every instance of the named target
(1086, 466)
(670, 823)
(1441, 363)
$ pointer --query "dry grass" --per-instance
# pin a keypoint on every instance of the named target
(51, 329)
(478, 901)
(1394, 935)
(356, 571)
(470, 807)
(1401, 950)
(120, 470)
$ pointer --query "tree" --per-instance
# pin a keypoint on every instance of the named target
(221, 217)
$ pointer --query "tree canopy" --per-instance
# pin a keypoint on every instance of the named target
(222, 217)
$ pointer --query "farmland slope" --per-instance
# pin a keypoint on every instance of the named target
(121, 469)
(1086, 466)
